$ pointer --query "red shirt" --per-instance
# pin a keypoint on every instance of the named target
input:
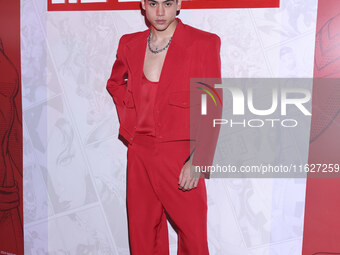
(145, 119)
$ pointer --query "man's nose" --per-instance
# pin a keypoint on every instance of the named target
(160, 10)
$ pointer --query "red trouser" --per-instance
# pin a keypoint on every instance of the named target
(152, 190)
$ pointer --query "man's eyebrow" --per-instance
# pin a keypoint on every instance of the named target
(165, 1)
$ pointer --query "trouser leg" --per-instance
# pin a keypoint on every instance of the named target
(187, 209)
(148, 232)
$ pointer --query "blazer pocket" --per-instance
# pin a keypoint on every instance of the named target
(180, 99)
(128, 100)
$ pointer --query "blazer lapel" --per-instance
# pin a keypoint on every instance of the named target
(136, 52)
(175, 56)
(173, 62)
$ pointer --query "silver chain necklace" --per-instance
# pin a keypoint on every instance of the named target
(157, 50)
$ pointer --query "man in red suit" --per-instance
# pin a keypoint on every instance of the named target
(150, 86)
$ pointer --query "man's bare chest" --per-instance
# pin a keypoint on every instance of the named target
(153, 64)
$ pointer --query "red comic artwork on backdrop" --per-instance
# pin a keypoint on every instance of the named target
(11, 195)
(321, 222)
(86, 5)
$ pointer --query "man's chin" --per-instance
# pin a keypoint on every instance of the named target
(159, 27)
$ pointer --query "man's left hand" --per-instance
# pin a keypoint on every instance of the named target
(186, 182)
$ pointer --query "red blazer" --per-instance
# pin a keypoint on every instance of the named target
(192, 53)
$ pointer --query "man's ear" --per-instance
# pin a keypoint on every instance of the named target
(143, 4)
(179, 3)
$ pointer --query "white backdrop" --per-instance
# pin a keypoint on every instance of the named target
(74, 165)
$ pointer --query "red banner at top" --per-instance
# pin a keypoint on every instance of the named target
(97, 5)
